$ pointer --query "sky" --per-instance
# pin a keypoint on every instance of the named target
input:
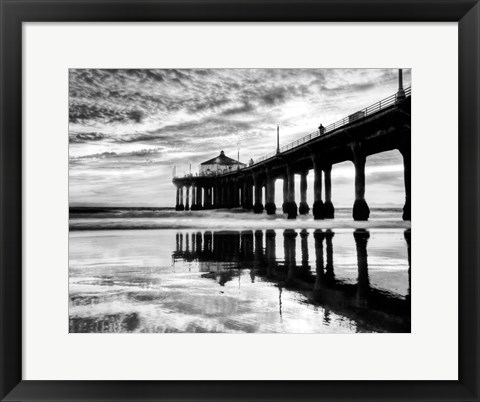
(129, 128)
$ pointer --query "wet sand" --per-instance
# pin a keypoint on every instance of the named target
(252, 281)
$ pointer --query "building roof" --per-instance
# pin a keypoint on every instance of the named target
(221, 159)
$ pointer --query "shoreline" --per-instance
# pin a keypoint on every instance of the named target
(246, 225)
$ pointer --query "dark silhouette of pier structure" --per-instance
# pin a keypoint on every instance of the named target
(381, 127)
(224, 255)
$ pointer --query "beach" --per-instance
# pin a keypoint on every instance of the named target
(237, 272)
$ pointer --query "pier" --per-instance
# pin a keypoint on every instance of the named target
(381, 127)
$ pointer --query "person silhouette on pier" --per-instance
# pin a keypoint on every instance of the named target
(321, 129)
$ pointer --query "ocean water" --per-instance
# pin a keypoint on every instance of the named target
(168, 218)
(232, 271)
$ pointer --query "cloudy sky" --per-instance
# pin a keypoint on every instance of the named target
(129, 128)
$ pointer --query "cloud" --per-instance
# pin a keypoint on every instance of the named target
(85, 137)
(128, 118)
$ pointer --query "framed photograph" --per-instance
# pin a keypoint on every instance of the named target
(233, 201)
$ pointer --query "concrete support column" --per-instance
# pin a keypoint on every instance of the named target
(181, 206)
(407, 176)
(231, 194)
(247, 193)
(270, 206)
(187, 201)
(194, 198)
(292, 209)
(202, 200)
(328, 209)
(244, 193)
(361, 211)
(361, 237)
(179, 203)
(232, 199)
(304, 208)
(258, 206)
(198, 195)
(236, 189)
(234, 194)
(228, 194)
(241, 193)
(318, 206)
(218, 195)
(285, 195)
(223, 194)
(208, 195)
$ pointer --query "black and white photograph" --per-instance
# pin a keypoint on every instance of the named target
(249, 200)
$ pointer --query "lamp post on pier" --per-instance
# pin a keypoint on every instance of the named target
(401, 92)
(278, 138)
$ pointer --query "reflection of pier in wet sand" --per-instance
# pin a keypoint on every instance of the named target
(223, 255)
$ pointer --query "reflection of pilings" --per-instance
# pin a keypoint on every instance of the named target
(207, 243)
(246, 248)
(304, 245)
(198, 242)
(181, 241)
(329, 272)
(319, 265)
(258, 248)
(258, 256)
(177, 242)
(270, 252)
(361, 237)
(225, 246)
(407, 235)
(187, 242)
(289, 244)
(406, 175)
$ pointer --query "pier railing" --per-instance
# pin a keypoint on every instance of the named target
(376, 107)
(369, 110)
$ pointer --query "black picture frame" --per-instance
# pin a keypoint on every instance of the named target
(15, 12)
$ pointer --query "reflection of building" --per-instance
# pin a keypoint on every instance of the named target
(220, 164)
